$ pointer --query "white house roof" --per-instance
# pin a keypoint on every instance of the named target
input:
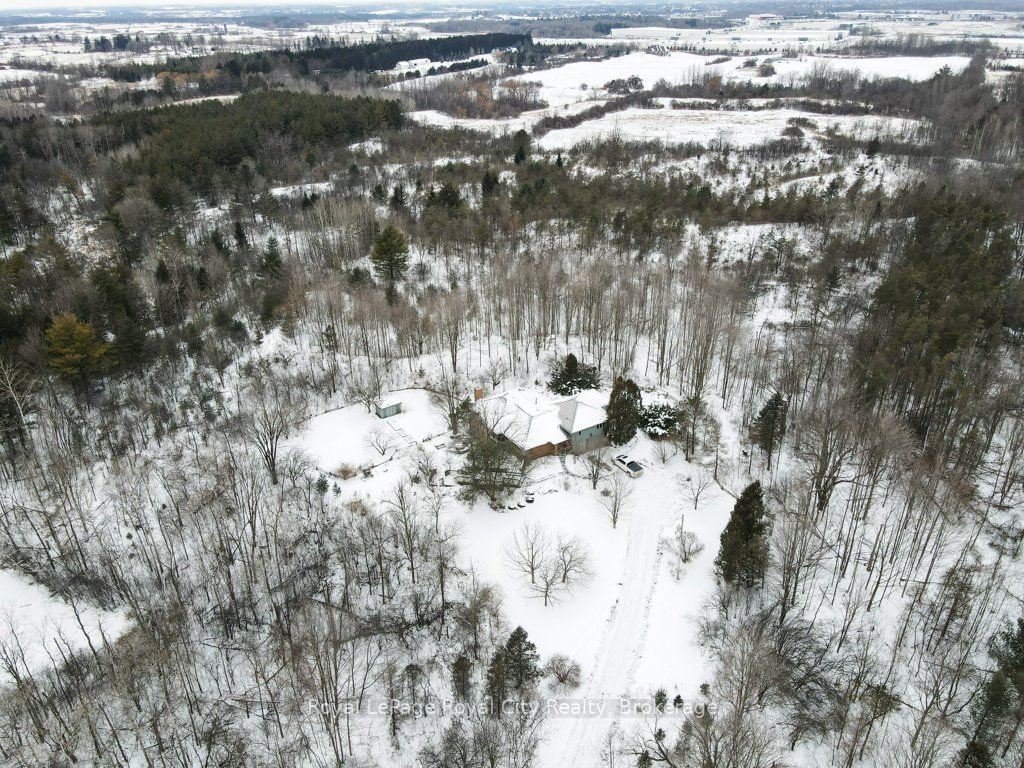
(530, 419)
(582, 411)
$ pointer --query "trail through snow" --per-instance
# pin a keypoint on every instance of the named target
(577, 745)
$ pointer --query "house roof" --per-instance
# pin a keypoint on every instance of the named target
(530, 419)
(582, 411)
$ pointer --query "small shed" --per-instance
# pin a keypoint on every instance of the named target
(388, 408)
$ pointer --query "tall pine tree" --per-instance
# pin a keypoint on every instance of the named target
(390, 256)
(73, 349)
(497, 682)
(569, 376)
(769, 426)
(521, 659)
(743, 556)
(625, 411)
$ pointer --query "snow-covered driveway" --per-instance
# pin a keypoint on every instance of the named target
(575, 742)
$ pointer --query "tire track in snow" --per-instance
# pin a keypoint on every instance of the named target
(619, 651)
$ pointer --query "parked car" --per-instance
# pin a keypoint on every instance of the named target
(627, 465)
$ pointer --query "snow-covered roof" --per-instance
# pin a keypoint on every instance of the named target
(526, 418)
(582, 411)
(529, 419)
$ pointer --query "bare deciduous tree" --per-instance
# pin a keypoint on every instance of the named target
(365, 385)
(597, 465)
(616, 497)
(528, 550)
(271, 413)
(694, 485)
(379, 437)
(449, 394)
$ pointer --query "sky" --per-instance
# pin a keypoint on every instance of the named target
(65, 5)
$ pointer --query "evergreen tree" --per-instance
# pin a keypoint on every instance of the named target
(447, 197)
(933, 329)
(73, 348)
(625, 411)
(522, 142)
(496, 683)
(999, 708)
(743, 556)
(240, 239)
(489, 183)
(769, 426)
(492, 468)
(390, 254)
(398, 198)
(271, 264)
(522, 663)
(569, 376)
(461, 670)
(162, 274)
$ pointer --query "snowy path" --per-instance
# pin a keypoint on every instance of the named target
(575, 742)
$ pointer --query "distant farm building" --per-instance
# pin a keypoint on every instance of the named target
(538, 426)
(387, 408)
(764, 20)
(412, 64)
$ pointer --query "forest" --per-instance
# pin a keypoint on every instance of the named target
(328, 56)
(252, 354)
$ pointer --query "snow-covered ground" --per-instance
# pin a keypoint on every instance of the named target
(585, 80)
(341, 436)
(830, 34)
(46, 628)
(62, 43)
(632, 624)
(699, 126)
(572, 88)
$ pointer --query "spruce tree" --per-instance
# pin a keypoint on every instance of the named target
(398, 198)
(743, 556)
(769, 427)
(497, 682)
(625, 411)
(390, 254)
(461, 671)
(489, 183)
(569, 376)
(271, 264)
(521, 660)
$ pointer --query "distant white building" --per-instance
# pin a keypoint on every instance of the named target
(764, 20)
(411, 64)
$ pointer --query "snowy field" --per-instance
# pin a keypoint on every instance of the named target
(585, 80)
(573, 88)
(62, 44)
(703, 126)
(46, 628)
(342, 436)
(833, 34)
